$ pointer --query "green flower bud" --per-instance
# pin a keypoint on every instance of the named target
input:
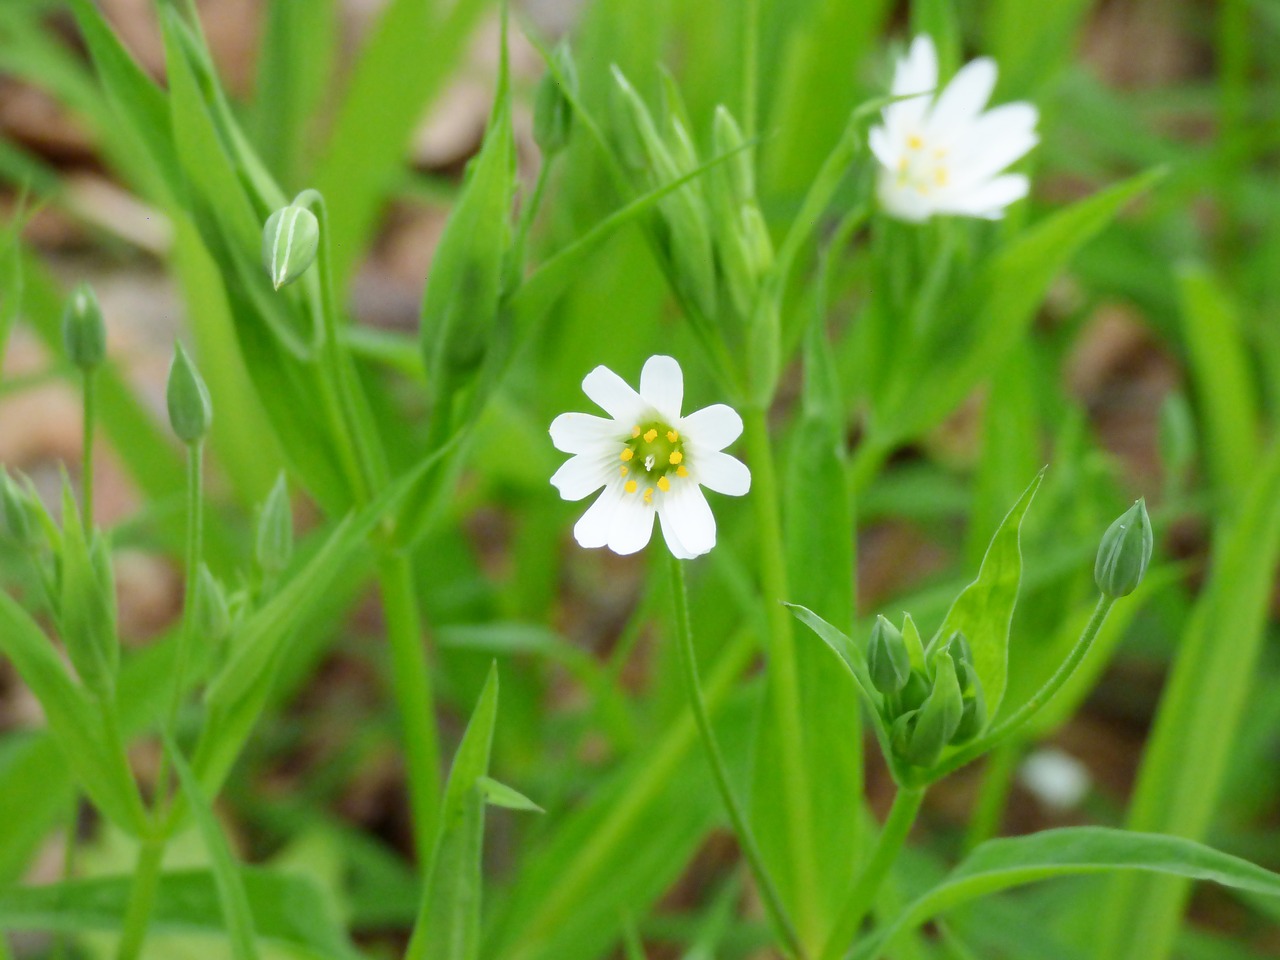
(190, 410)
(84, 334)
(1124, 553)
(958, 649)
(87, 603)
(756, 234)
(726, 138)
(974, 718)
(212, 616)
(289, 244)
(887, 659)
(638, 141)
(273, 545)
(938, 718)
(915, 691)
(552, 111)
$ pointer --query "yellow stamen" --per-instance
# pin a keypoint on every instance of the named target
(664, 484)
(623, 473)
(914, 142)
(651, 435)
(630, 487)
(682, 471)
(648, 494)
(940, 175)
(635, 432)
(628, 453)
(672, 436)
(676, 457)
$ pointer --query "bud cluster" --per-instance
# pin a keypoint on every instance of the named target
(930, 700)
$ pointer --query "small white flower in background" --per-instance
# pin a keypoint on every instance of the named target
(1055, 778)
(649, 460)
(944, 154)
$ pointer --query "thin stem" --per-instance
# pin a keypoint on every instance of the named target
(86, 459)
(784, 679)
(411, 686)
(997, 780)
(746, 839)
(1033, 706)
(59, 951)
(857, 903)
(142, 896)
(195, 547)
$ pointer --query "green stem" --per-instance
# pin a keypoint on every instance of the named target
(997, 779)
(411, 686)
(784, 678)
(86, 460)
(857, 903)
(1041, 697)
(746, 839)
(142, 896)
(195, 542)
(59, 951)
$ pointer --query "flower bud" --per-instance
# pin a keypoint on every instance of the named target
(289, 244)
(938, 719)
(974, 718)
(212, 615)
(552, 111)
(1124, 553)
(87, 603)
(84, 334)
(274, 543)
(887, 658)
(958, 649)
(190, 410)
(726, 138)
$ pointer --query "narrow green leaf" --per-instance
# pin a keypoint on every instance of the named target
(1001, 864)
(983, 611)
(448, 924)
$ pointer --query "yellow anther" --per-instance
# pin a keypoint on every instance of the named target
(676, 457)
(672, 436)
(664, 484)
(628, 453)
(623, 473)
(648, 494)
(630, 487)
(940, 175)
(635, 432)
(651, 435)
(682, 471)
(914, 142)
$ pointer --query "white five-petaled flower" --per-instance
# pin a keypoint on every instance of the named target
(945, 154)
(649, 460)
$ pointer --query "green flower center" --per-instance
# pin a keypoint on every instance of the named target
(655, 450)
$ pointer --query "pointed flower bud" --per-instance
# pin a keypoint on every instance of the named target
(190, 410)
(1124, 553)
(939, 717)
(887, 658)
(974, 718)
(84, 334)
(274, 544)
(212, 616)
(552, 111)
(289, 244)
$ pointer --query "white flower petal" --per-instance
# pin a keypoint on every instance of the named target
(960, 103)
(999, 138)
(671, 532)
(885, 150)
(631, 525)
(689, 514)
(990, 199)
(583, 475)
(592, 528)
(916, 73)
(721, 473)
(662, 386)
(903, 202)
(614, 395)
(713, 427)
(582, 433)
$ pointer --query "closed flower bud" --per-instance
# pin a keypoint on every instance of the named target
(974, 718)
(289, 244)
(887, 658)
(726, 139)
(84, 334)
(957, 647)
(190, 410)
(87, 604)
(1124, 553)
(915, 691)
(274, 543)
(552, 111)
(938, 718)
(212, 616)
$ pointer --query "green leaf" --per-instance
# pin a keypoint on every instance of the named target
(983, 611)
(500, 795)
(448, 924)
(288, 910)
(1001, 864)
(226, 875)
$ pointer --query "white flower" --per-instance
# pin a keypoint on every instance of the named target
(1057, 779)
(944, 154)
(649, 460)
